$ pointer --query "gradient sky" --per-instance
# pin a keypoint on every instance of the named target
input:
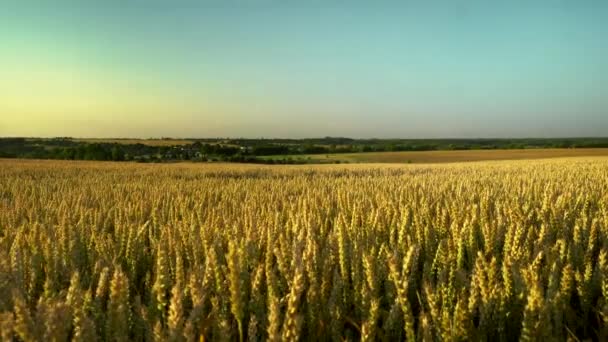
(410, 69)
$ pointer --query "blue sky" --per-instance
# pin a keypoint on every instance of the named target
(408, 69)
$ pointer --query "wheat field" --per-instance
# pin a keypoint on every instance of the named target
(500, 251)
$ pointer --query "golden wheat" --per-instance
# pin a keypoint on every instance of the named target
(480, 251)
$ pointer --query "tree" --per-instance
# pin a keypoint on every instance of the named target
(117, 153)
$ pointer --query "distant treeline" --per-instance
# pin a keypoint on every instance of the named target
(248, 150)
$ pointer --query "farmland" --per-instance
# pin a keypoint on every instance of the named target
(495, 250)
(426, 157)
(299, 151)
(147, 142)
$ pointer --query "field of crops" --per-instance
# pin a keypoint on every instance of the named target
(149, 142)
(433, 157)
(473, 251)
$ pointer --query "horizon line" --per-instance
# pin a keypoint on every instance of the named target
(307, 138)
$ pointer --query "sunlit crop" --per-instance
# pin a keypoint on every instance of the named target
(481, 251)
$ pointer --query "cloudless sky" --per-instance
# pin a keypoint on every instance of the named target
(410, 69)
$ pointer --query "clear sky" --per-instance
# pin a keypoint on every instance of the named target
(410, 69)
